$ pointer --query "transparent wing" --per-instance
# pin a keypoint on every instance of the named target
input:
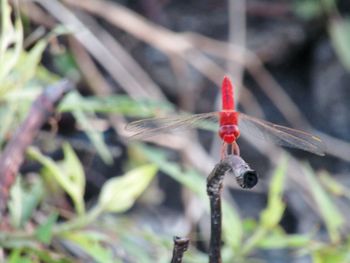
(154, 126)
(280, 135)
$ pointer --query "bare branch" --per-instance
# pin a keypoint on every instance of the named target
(13, 155)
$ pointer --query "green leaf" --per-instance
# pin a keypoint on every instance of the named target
(311, 9)
(69, 175)
(75, 103)
(119, 194)
(339, 30)
(308, 9)
(23, 200)
(249, 225)
(232, 226)
(333, 219)
(44, 231)
(94, 136)
(66, 65)
(29, 61)
(278, 240)
(329, 6)
(331, 254)
(113, 104)
(7, 115)
(333, 186)
(24, 70)
(189, 178)
(11, 41)
(90, 243)
(273, 213)
(15, 257)
(75, 172)
(44, 255)
(15, 203)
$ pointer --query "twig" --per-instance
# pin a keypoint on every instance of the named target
(13, 155)
(37, 15)
(114, 65)
(273, 9)
(245, 176)
(214, 189)
(180, 246)
(122, 54)
(237, 37)
(98, 85)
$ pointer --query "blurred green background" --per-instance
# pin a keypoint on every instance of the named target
(88, 193)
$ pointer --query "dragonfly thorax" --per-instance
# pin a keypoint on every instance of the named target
(228, 130)
(229, 133)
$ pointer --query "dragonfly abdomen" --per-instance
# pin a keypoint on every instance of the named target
(227, 94)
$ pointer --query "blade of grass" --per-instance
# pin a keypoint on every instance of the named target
(339, 30)
(69, 175)
(273, 213)
(9, 35)
(333, 219)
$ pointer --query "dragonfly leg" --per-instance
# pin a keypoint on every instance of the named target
(228, 149)
(235, 149)
(224, 150)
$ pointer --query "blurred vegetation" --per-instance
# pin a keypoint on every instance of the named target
(102, 230)
(339, 27)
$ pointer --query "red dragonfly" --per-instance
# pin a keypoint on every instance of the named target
(230, 124)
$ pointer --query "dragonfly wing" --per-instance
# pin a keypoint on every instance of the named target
(280, 135)
(155, 126)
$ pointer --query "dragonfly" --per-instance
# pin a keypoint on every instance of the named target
(230, 124)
